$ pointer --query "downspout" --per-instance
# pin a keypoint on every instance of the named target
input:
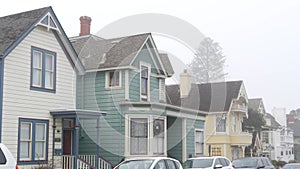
(1, 91)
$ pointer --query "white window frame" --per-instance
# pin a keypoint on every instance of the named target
(27, 141)
(202, 144)
(162, 90)
(234, 124)
(44, 141)
(150, 118)
(108, 79)
(217, 123)
(145, 98)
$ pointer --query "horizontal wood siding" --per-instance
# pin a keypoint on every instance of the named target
(190, 136)
(144, 56)
(134, 86)
(20, 101)
(174, 137)
(111, 132)
(154, 89)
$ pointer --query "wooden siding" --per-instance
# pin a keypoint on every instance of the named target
(20, 101)
(190, 138)
(96, 97)
(174, 137)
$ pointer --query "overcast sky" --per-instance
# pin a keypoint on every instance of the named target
(259, 38)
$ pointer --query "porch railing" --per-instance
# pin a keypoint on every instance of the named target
(85, 162)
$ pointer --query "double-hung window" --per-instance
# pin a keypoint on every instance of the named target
(199, 142)
(43, 69)
(33, 140)
(113, 79)
(158, 136)
(144, 83)
(138, 136)
(221, 123)
(234, 124)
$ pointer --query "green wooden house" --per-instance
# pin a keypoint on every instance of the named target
(125, 77)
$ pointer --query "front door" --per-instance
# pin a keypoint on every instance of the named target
(67, 142)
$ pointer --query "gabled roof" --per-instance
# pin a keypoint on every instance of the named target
(274, 123)
(209, 97)
(12, 27)
(254, 103)
(98, 53)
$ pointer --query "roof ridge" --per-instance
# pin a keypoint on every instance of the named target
(25, 12)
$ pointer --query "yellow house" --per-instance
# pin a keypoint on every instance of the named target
(227, 105)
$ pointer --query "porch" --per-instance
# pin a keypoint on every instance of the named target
(66, 125)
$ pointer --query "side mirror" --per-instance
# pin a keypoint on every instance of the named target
(218, 166)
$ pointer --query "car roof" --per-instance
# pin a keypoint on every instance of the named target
(212, 157)
(148, 158)
(293, 164)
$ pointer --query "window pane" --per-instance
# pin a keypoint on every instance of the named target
(114, 78)
(48, 80)
(25, 131)
(25, 149)
(49, 62)
(40, 131)
(144, 72)
(37, 59)
(39, 150)
(139, 136)
(221, 124)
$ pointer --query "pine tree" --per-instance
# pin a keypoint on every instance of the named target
(208, 63)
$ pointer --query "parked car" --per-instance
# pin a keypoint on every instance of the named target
(208, 163)
(7, 160)
(253, 163)
(150, 163)
(291, 166)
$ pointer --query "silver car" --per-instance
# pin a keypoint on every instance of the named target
(208, 163)
(150, 163)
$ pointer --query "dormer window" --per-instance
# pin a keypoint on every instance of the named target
(113, 79)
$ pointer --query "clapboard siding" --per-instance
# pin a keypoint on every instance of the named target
(20, 101)
(174, 137)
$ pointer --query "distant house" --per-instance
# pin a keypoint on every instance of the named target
(39, 68)
(296, 129)
(126, 78)
(255, 105)
(278, 143)
(226, 104)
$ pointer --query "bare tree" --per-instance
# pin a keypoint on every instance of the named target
(208, 63)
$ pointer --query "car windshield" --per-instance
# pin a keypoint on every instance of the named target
(244, 163)
(198, 163)
(292, 166)
(135, 164)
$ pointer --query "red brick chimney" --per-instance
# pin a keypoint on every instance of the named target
(85, 25)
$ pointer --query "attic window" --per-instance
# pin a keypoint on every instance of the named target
(48, 22)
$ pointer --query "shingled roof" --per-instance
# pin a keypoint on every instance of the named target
(209, 97)
(254, 103)
(98, 53)
(274, 123)
(12, 27)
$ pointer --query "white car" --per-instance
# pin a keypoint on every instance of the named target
(208, 163)
(150, 163)
(7, 160)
